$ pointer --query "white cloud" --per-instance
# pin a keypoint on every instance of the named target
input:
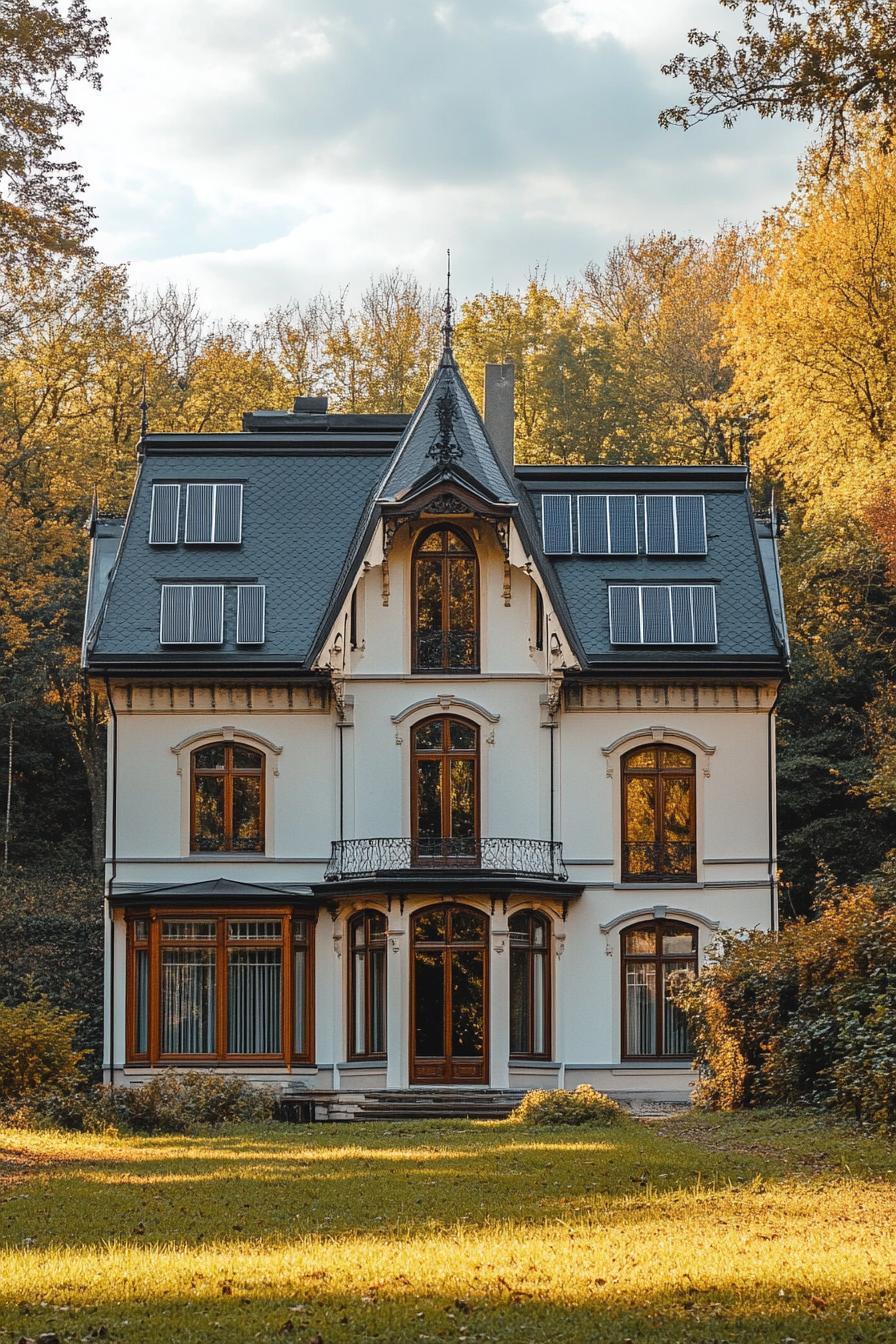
(267, 148)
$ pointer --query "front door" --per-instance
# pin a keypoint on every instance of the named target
(449, 1029)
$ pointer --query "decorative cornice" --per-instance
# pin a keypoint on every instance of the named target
(227, 734)
(446, 702)
(658, 734)
(659, 912)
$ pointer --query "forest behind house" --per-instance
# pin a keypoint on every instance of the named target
(774, 346)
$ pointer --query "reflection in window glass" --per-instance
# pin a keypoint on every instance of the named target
(655, 957)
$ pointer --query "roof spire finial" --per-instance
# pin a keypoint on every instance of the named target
(448, 324)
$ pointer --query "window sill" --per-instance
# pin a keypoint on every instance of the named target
(226, 856)
(548, 1065)
(365, 1065)
(690, 884)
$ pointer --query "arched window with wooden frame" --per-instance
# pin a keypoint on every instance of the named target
(445, 584)
(445, 791)
(226, 799)
(654, 954)
(659, 824)
(530, 986)
(367, 985)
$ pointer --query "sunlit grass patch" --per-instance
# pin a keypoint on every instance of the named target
(700, 1228)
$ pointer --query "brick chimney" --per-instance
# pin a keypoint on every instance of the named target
(499, 411)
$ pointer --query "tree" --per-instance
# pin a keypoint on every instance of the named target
(664, 299)
(803, 60)
(812, 333)
(45, 49)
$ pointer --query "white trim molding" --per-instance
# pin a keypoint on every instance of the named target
(446, 702)
(659, 912)
(226, 734)
(657, 733)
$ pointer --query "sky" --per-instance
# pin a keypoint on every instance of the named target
(264, 150)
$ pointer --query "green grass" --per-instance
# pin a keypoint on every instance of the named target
(699, 1228)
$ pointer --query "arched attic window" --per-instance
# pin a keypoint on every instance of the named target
(445, 580)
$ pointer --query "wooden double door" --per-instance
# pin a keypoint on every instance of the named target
(449, 995)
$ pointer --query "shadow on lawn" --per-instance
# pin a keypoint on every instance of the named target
(236, 1187)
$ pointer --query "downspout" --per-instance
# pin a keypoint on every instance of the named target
(113, 854)
(772, 857)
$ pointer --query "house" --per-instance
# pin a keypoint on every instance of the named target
(426, 769)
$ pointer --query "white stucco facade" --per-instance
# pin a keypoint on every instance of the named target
(336, 749)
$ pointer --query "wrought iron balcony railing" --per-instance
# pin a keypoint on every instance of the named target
(385, 856)
(659, 861)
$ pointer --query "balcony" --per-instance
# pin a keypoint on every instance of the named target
(399, 856)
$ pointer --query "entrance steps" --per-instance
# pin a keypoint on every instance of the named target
(418, 1103)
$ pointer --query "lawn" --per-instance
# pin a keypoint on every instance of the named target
(703, 1228)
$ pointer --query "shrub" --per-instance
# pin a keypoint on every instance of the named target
(584, 1106)
(37, 1049)
(175, 1103)
(170, 1103)
(805, 1015)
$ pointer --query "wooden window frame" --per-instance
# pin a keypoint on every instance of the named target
(656, 960)
(533, 952)
(221, 944)
(445, 555)
(445, 757)
(364, 949)
(229, 772)
(660, 773)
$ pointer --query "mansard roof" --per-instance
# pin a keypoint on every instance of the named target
(749, 606)
(316, 487)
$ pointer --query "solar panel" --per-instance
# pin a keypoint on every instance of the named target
(662, 613)
(250, 613)
(556, 524)
(163, 515)
(625, 614)
(623, 524)
(657, 614)
(691, 518)
(594, 533)
(207, 626)
(200, 514)
(682, 615)
(228, 526)
(659, 524)
(174, 626)
(704, 606)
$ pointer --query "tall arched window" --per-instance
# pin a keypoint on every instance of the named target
(530, 1034)
(652, 955)
(445, 790)
(446, 603)
(367, 1007)
(227, 799)
(658, 815)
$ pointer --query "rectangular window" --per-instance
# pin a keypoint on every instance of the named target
(221, 988)
(662, 614)
(250, 613)
(675, 524)
(214, 515)
(164, 514)
(556, 524)
(192, 613)
(607, 525)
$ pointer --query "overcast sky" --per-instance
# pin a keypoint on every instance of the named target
(266, 149)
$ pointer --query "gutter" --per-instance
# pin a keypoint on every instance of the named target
(113, 856)
(772, 857)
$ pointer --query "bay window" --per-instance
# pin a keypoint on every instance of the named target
(205, 987)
